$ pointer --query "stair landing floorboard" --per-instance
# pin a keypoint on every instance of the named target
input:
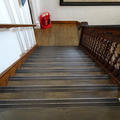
(60, 83)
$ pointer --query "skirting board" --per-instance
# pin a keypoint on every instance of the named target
(10, 72)
(64, 22)
(61, 22)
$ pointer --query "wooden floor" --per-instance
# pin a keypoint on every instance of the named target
(58, 35)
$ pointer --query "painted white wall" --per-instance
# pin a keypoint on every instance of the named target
(98, 15)
(14, 42)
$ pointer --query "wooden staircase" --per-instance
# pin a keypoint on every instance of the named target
(64, 83)
(59, 77)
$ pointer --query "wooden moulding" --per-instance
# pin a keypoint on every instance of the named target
(81, 24)
(10, 72)
(64, 22)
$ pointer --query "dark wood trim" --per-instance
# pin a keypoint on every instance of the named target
(64, 22)
(80, 28)
(62, 3)
(12, 69)
(85, 24)
(16, 25)
(101, 26)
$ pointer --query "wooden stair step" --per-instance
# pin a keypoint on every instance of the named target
(79, 102)
(72, 49)
(61, 78)
(59, 53)
(70, 74)
(84, 56)
(58, 48)
(79, 52)
(59, 67)
(19, 82)
(80, 62)
(105, 111)
(64, 65)
(59, 92)
(58, 70)
(58, 60)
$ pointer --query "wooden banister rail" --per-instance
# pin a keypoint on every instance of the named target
(16, 25)
(102, 44)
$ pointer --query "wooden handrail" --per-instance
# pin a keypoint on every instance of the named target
(102, 44)
(99, 26)
(16, 25)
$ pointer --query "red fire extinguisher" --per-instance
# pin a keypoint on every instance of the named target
(45, 20)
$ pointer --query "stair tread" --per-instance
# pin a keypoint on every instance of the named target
(65, 62)
(83, 113)
(59, 56)
(59, 67)
(57, 82)
(60, 64)
(84, 77)
(59, 70)
(61, 59)
(64, 101)
(97, 74)
(58, 92)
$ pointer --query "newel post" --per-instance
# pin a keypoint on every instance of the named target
(81, 28)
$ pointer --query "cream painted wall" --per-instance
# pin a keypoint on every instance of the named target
(98, 15)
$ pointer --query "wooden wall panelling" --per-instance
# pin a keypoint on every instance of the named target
(59, 35)
(65, 22)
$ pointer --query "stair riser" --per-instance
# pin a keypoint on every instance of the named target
(58, 94)
(69, 100)
(57, 65)
(61, 78)
(76, 105)
(60, 63)
(59, 54)
(55, 71)
(69, 74)
(46, 62)
(58, 60)
(57, 57)
(58, 88)
(60, 67)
